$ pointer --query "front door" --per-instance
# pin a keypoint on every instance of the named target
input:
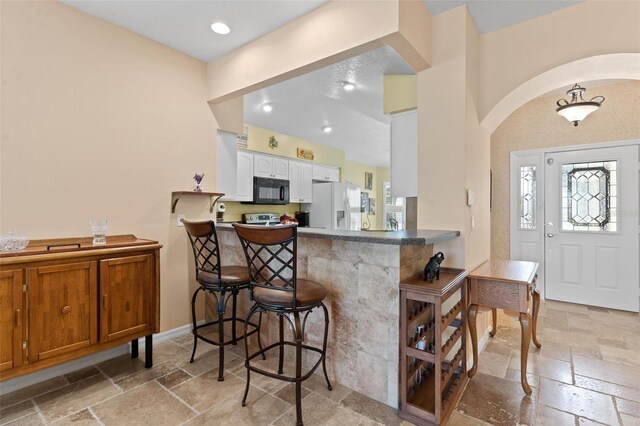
(591, 227)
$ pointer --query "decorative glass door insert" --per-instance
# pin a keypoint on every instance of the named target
(589, 196)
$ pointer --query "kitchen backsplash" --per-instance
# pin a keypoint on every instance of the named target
(236, 209)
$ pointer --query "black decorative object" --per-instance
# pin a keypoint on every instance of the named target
(432, 268)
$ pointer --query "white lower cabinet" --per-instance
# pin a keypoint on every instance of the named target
(300, 180)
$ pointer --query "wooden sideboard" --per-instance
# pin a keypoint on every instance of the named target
(61, 299)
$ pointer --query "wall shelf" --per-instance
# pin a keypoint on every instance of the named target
(213, 198)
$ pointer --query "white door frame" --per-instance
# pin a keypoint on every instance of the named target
(514, 163)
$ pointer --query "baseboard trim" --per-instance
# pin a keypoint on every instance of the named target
(169, 334)
(58, 370)
(17, 383)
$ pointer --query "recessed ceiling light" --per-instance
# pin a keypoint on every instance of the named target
(348, 86)
(220, 28)
(327, 129)
(267, 107)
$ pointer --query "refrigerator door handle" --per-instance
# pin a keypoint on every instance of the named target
(347, 213)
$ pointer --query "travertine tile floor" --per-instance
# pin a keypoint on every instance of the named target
(587, 372)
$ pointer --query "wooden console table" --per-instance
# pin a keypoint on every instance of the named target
(508, 285)
(64, 298)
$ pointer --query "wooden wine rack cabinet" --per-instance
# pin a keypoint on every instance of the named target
(432, 374)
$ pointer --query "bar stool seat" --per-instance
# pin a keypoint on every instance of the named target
(308, 293)
(229, 275)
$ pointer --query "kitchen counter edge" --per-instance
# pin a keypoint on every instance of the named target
(410, 237)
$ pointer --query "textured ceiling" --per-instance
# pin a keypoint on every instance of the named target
(303, 105)
(492, 15)
(185, 24)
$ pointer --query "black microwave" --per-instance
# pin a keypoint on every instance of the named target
(270, 191)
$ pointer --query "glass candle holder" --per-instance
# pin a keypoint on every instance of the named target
(99, 230)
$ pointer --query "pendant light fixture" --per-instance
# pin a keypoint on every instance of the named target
(577, 108)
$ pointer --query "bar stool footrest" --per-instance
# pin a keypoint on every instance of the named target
(281, 376)
(224, 342)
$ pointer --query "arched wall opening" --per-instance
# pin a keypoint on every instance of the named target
(601, 67)
(526, 120)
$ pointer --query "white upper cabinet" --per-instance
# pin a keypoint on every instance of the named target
(262, 166)
(280, 168)
(300, 181)
(234, 169)
(306, 188)
(226, 169)
(244, 177)
(404, 154)
(270, 167)
(333, 174)
(326, 173)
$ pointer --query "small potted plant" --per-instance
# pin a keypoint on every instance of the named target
(198, 178)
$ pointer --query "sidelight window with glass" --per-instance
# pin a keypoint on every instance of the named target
(528, 197)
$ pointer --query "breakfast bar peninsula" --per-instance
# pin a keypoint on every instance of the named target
(362, 271)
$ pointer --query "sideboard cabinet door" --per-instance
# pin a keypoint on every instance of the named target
(127, 296)
(63, 313)
(11, 318)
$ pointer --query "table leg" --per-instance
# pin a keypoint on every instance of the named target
(134, 348)
(536, 310)
(525, 324)
(473, 330)
(494, 319)
(148, 351)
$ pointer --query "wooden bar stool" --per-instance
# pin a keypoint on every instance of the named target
(271, 258)
(221, 282)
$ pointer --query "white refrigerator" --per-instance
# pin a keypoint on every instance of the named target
(334, 206)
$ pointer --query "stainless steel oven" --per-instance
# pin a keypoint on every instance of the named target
(270, 191)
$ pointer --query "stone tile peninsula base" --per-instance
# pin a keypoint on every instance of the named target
(362, 272)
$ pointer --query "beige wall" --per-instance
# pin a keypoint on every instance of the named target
(513, 55)
(536, 125)
(100, 122)
(453, 149)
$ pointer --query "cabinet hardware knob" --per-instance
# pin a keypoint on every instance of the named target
(65, 309)
(18, 316)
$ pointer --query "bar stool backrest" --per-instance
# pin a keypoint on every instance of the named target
(271, 256)
(204, 241)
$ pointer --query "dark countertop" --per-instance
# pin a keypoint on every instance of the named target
(412, 237)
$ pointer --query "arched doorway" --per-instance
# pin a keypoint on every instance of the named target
(552, 134)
